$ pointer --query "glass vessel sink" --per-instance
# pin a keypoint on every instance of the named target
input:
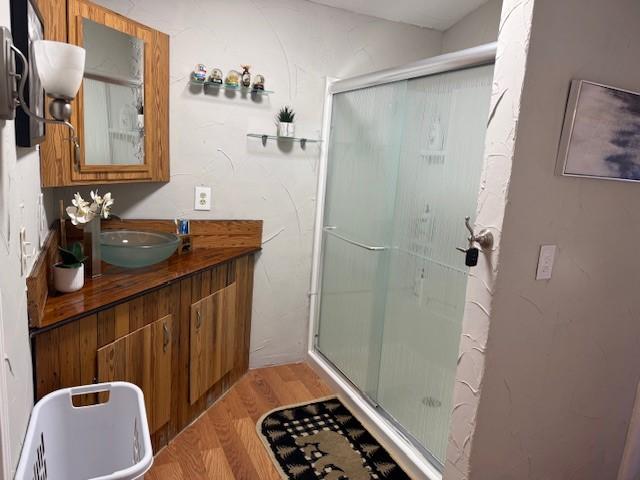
(131, 249)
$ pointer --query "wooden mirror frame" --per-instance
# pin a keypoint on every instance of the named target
(59, 167)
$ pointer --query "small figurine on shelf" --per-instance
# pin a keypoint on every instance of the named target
(246, 76)
(258, 82)
(199, 73)
(233, 79)
(216, 76)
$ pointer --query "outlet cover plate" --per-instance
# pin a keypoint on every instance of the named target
(202, 199)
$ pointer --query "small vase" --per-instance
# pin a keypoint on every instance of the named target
(92, 248)
(67, 280)
(286, 129)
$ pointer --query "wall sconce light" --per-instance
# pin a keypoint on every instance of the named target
(60, 67)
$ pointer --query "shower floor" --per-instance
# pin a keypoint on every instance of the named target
(223, 443)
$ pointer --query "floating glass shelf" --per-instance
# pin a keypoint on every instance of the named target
(218, 86)
(264, 137)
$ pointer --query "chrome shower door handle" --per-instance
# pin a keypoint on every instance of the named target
(331, 230)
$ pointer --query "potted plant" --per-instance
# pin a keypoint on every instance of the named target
(68, 275)
(284, 120)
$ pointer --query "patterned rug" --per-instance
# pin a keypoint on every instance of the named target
(323, 440)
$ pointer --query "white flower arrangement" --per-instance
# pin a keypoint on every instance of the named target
(83, 212)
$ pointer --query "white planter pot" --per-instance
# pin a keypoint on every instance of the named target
(67, 280)
(286, 129)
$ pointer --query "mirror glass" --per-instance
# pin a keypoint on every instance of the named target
(113, 96)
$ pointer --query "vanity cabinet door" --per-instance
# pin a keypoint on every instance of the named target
(143, 357)
(212, 340)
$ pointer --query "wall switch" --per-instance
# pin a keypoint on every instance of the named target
(202, 198)
(43, 229)
(26, 251)
(545, 262)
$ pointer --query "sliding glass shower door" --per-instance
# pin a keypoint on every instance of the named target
(403, 172)
(361, 187)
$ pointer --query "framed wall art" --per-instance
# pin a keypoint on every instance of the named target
(601, 133)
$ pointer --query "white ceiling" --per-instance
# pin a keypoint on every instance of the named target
(437, 14)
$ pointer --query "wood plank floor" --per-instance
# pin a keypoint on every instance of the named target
(223, 443)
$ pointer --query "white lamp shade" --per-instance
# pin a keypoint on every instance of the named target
(60, 67)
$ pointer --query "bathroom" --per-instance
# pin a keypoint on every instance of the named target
(312, 244)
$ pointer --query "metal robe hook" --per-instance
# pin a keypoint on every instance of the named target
(484, 238)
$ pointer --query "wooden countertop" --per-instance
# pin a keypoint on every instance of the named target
(118, 284)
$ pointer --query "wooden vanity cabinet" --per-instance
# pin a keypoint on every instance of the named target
(156, 341)
(66, 20)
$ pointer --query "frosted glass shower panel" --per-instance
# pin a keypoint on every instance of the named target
(438, 180)
(366, 128)
(364, 148)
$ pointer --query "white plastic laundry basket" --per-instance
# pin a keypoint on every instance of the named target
(106, 441)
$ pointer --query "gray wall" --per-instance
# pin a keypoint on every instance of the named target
(480, 26)
(562, 355)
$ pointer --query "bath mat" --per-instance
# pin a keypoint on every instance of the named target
(322, 440)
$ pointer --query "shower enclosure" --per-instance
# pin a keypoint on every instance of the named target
(403, 156)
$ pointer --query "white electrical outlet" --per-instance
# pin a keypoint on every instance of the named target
(202, 200)
(545, 262)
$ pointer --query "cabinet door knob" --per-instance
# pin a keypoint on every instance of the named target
(76, 153)
(198, 319)
(166, 337)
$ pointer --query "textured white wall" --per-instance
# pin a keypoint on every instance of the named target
(509, 74)
(562, 355)
(19, 191)
(295, 44)
(478, 27)
(21, 187)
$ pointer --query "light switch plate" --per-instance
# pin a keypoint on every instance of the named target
(202, 200)
(545, 262)
(26, 251)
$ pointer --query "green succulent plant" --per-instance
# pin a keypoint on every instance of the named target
(73, 256)
(286, 115)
